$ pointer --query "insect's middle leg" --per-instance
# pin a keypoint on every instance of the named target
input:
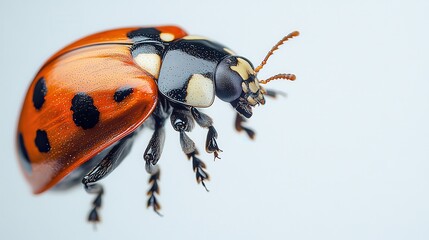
(153, 152)
(151, 156)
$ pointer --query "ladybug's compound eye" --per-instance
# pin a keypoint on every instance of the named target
(229, 77)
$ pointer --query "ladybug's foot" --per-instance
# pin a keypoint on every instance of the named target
(93, 216)
(206, 122)
(199, 166)
(153, 153)
(211, 144)
(188, 147)
(154, 190)
(239, 120)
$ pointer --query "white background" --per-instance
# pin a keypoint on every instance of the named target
(344, 156)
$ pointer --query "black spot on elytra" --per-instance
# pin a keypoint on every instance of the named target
(122, 93)
(85, 114)
(144, 34)
(42, 141)
(25, 161)
(39, 93)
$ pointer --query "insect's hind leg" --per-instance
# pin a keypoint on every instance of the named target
(109, 162)
(96, 188)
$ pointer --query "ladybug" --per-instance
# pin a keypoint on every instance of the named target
(89, 100)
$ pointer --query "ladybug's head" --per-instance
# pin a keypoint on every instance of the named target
(236, 81)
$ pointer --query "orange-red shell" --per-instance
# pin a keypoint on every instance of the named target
(98, 66)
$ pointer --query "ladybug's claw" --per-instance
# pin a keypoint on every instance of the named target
(211, 144)
(200, 174)
(93, 216)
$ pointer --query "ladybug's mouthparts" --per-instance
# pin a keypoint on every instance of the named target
(242, 107)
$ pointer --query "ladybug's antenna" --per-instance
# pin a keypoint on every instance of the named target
(286, 76)
(283, 40)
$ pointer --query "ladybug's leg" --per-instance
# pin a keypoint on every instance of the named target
(274, 93)
(206, 122)
(153, 152)
(156, 143)
(182, 121)
(93, 216)
(106, 166)
(151, 156)
(239, 120)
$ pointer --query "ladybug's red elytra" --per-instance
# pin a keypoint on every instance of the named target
(88, 101)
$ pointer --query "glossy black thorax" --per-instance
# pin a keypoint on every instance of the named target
(186, 71)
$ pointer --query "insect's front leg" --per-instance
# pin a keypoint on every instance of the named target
(274, 93)
(239, 119)
(206, 122)
(183, 122)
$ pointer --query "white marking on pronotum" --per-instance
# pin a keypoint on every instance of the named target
(166, 37)
(200, 91)
(150, 62)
